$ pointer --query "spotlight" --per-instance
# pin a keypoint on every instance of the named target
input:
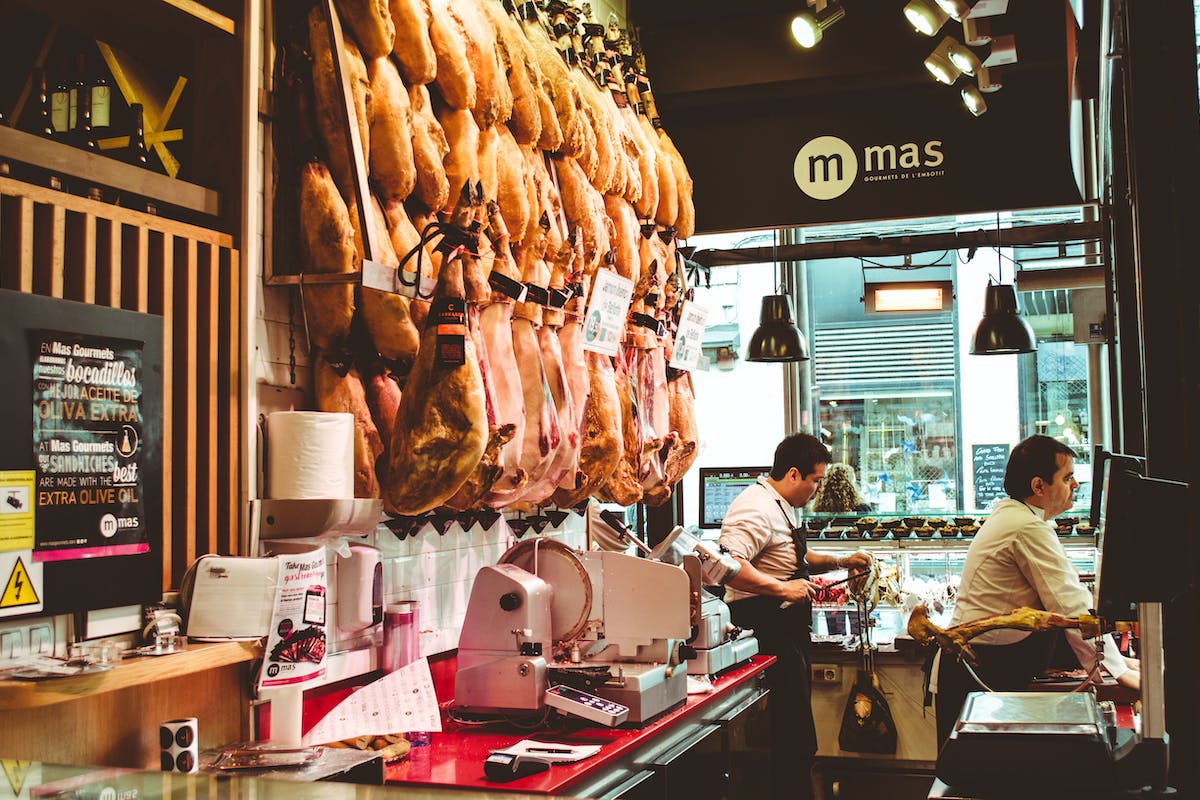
(925, 16)
(973, 99)
(939, 63)
(998, 51)
(964, 58)
(808, 26)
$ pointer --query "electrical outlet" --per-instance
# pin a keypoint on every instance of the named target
(13, 644)
(41, 640)
(826, 673)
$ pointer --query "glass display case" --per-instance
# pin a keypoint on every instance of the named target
(920, 566)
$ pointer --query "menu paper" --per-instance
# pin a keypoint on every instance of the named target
(689, 337)
(399, 702)
(605, 317)
(296, 641)
(87, 444)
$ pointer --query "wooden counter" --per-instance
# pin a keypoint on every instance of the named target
(111, 718)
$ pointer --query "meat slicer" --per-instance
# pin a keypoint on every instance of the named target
(717, 644)
(549, 614)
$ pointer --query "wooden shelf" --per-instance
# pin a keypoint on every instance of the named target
(129, 673)
(129, 18)
(73, 162)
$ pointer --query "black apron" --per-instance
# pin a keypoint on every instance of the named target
(786, 634)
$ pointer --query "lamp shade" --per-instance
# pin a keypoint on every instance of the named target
(777, 338)
(1002, 331)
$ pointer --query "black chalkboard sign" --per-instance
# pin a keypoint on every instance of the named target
(987, 465)
(116, 575)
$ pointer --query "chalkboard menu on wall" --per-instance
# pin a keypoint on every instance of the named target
(987, 466)
(83, 431)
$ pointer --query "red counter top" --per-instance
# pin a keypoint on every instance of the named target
(455, 756)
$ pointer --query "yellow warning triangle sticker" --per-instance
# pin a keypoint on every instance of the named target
(15, 771)
(19, 590)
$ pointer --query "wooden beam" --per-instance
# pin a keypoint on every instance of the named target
(878, 246)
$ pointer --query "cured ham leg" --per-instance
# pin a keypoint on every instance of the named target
(327, 246)
(430, 148)
(327, 102)
(411, 46)
(684, 451)
(542, 433)
(480, 482)
(603, 426)
(953, 640)
(371, 23)
(624, 486)
(340, 390)
(496, 326)
(570, 338)
(566, 457)
(441, 426)
(392, 167)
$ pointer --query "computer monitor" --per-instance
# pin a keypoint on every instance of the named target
(718, 488)
(1141, 519)
(1102, 460)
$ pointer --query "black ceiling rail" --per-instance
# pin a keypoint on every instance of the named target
(873, 246)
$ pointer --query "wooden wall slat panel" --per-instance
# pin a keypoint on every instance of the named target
(59, 245)
(188, 420)
(143, 272)
(212, 410)
(232, 410)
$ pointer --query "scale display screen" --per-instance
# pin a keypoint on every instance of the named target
(718, 488)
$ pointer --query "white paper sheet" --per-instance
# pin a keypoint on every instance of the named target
(552, 751)
(399, 702)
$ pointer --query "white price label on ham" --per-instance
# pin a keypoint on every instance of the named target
(689, 337)
(389, 279)
(604, 321)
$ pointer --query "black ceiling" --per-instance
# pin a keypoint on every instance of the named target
(718, 53)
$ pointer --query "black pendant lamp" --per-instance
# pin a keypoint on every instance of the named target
(777, 338)
(1002, 331)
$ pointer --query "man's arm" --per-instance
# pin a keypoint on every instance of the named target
(757, 582)
(825, 562)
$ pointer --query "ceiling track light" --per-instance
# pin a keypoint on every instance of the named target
(939, 63)
(809, 26)
(972, 98)
(976, 31)
(926, 16)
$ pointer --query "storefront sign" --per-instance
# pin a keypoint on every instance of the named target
(689, 337)
(604, 321)
(904, 151)
(87, 441)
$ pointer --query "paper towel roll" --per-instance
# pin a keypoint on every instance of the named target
(310, 455)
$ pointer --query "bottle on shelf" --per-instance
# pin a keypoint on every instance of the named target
(45, 113)
(100, 90)
(136, 152)
(60, 109)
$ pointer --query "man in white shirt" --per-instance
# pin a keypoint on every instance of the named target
(771, 593)
(1015, 560)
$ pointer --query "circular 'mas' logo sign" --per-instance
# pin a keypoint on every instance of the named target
(825, 168)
